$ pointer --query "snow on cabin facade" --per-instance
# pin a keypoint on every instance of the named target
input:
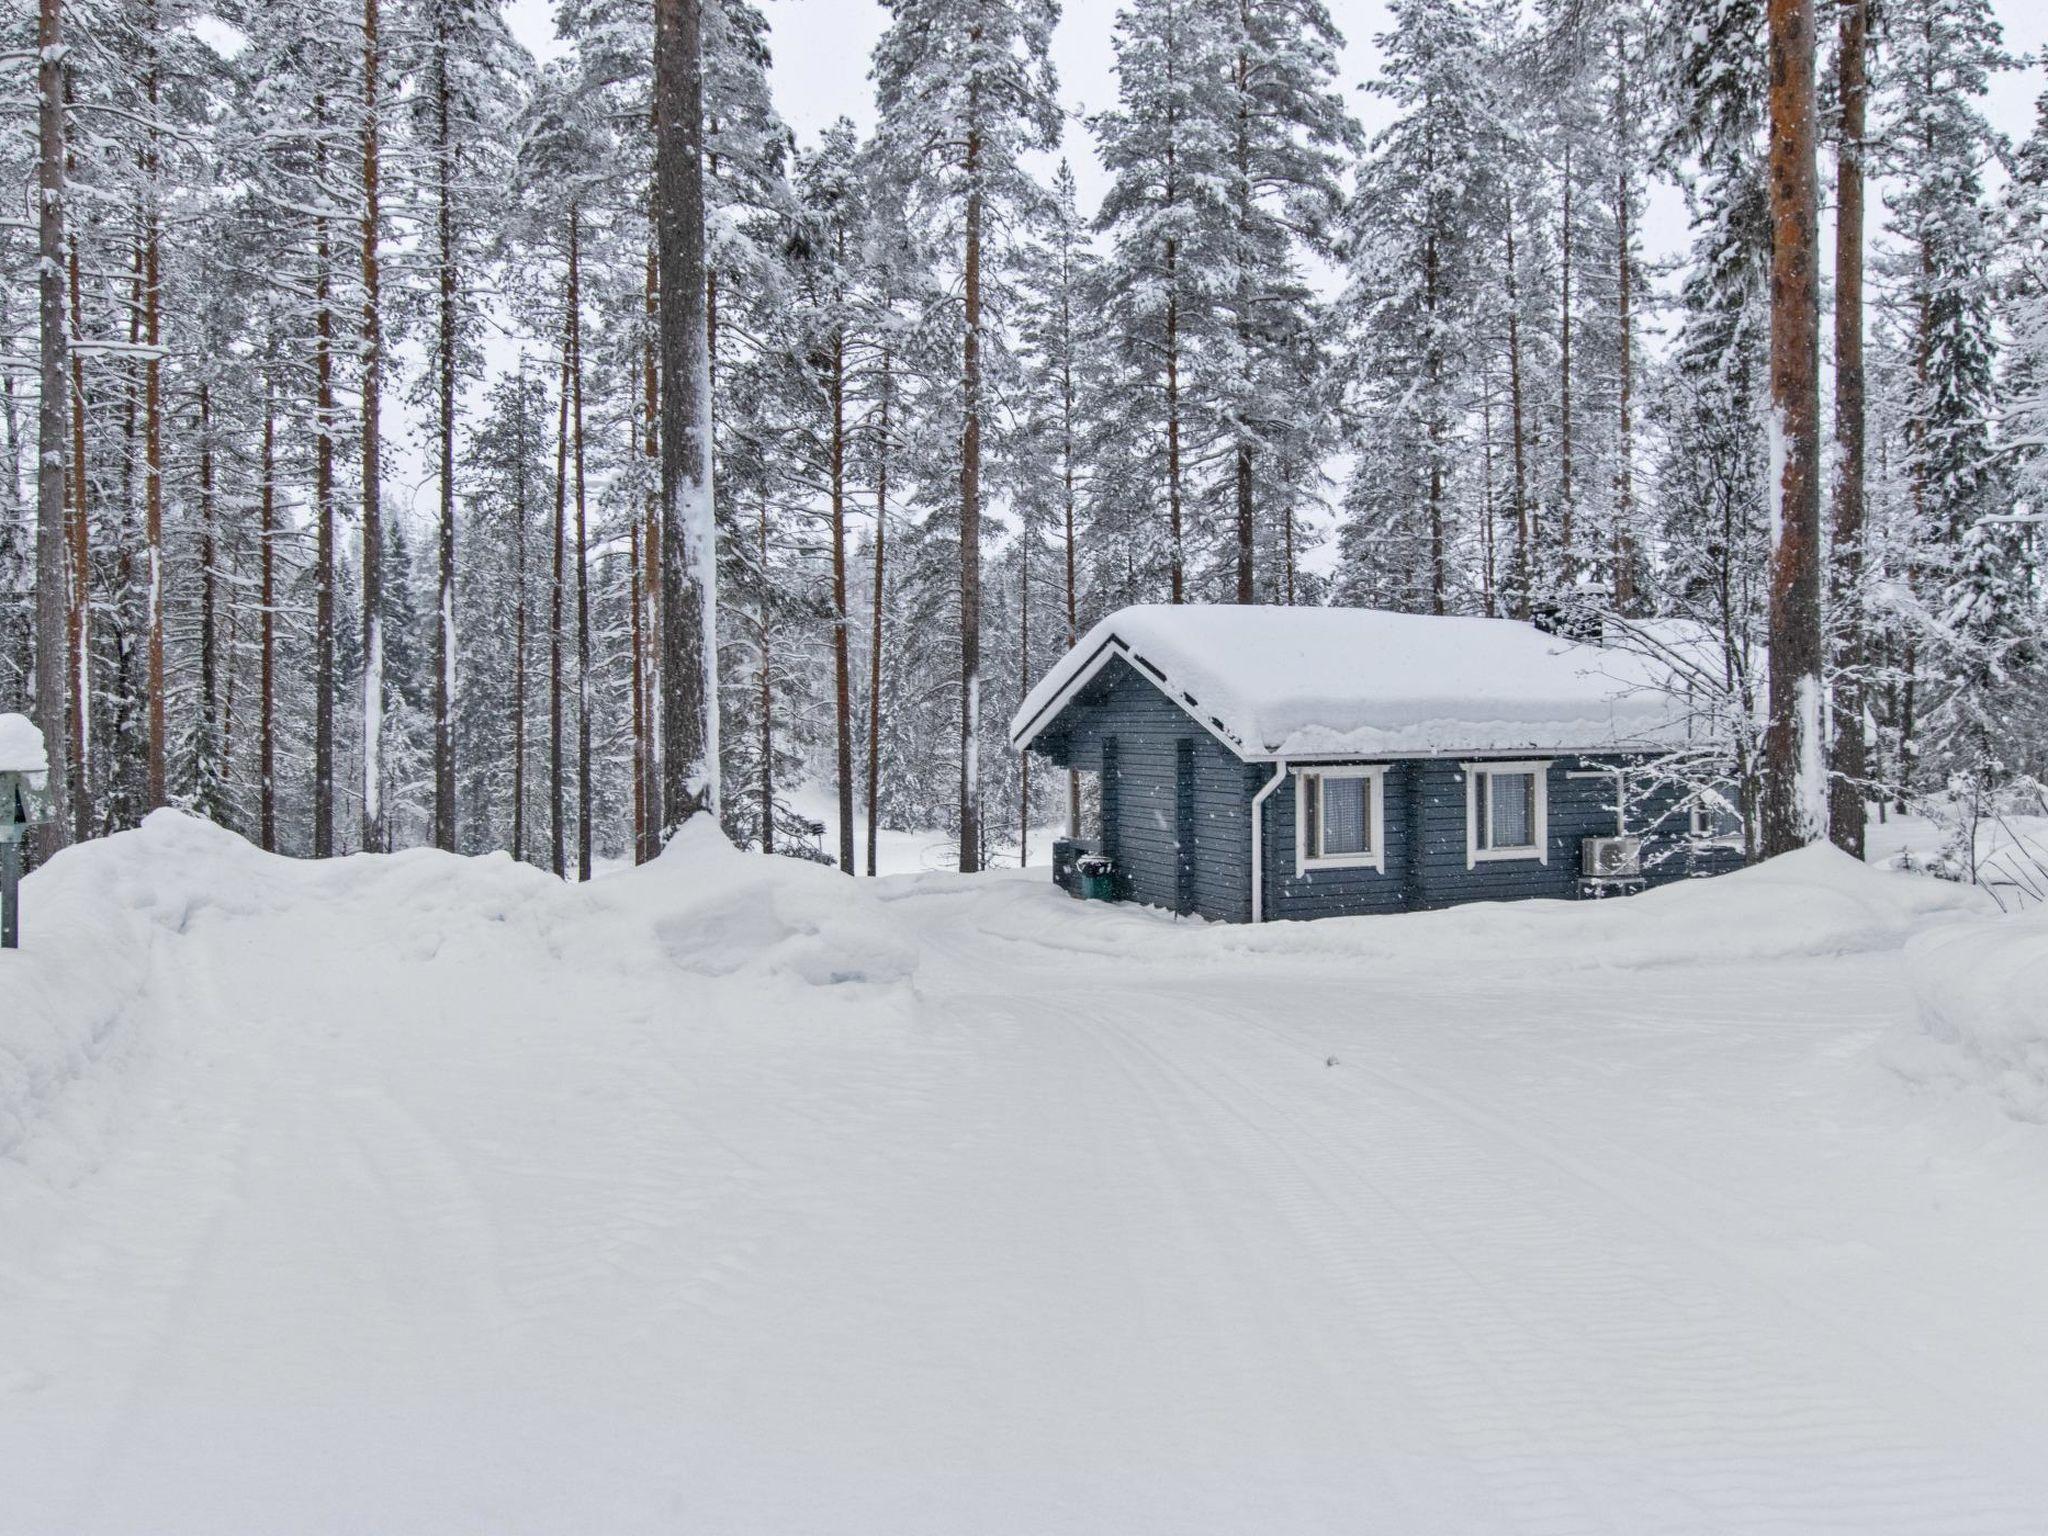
(1261, 762)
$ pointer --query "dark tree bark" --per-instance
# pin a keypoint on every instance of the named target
(842, 676)
(266, 726)
(325, 683)
(558, 859)
(1516, 427)
(210, 757)
(445, 345)
(970, 512)
(689, 600)
(1851, 766)
(583, 826)
(1566, 545)
(1175, 537)
(523, 511)
(1794, 809)
(80, 618)
(875, 639)
(649, 595)
(153, 778)
(765, 682)
(1624, 469)
(53, 575)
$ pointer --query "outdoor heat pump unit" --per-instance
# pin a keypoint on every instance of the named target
(1611, 858)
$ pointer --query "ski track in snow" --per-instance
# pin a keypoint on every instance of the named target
(731, 1196)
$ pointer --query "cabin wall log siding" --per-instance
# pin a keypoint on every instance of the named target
(1197, 856)
(1149, 730)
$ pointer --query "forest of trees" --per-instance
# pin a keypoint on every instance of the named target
(380, 517)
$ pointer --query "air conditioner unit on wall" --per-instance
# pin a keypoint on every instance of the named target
(1611, 858)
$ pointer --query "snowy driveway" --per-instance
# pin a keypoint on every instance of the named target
(428, 1196)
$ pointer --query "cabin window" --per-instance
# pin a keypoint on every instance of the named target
(1339, 819)
(1507, 812)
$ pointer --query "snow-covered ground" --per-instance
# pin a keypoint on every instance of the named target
(430, 1195)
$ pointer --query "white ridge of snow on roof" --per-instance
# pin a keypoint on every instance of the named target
(1334, 682)
(21, 746)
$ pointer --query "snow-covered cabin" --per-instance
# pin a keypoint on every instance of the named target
(1268, 762)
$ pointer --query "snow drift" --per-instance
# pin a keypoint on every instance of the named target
(1982, 990)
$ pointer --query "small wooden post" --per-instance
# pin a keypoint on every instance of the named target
(10, 894)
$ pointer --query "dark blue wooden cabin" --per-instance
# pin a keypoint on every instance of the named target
(1240, 806)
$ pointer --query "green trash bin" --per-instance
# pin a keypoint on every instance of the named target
(1097, 875)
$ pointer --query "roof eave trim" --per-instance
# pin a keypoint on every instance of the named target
(1113, 647)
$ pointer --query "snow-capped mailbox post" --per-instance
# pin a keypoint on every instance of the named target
(24, 803)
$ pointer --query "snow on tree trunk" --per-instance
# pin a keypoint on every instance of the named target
(689, 590)
(1795, 781)
(1850, 765)
(53, 575)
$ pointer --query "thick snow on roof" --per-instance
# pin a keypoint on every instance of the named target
(1329, 682)
(21, 746)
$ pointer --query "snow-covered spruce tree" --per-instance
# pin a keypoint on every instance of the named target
(1971, 579)
(1711, 469)
(1063, 357)
(965, 89)
(469, 80)
(1415, 247)
(1290, 133)
(1168, 219)
(2023, 392)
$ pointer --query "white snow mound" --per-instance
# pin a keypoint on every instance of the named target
(1982, 990)
(21, 746)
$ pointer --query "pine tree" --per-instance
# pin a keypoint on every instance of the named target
(965, 88)
(1415, 254)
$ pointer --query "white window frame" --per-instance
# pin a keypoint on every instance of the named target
(1375, 858)
(1540, 852)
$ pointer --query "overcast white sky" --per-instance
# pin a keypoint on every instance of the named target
(822, 47)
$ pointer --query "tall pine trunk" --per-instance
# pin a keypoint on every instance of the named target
(1625, 596)
(1850, 765)
(210, 735)
(445, 344)
(53, 575)
(324, 681)
(583, 824)
(266, 717)
(842, 661)
(764, 682)
(154, 790)
(689, 575)
(80, 617)
(649, 597)
(875, 638)
(522, 510)
(1794, 810)
(558, 859)
(1516, 426)
(1567, 545)
(970, 511)
(374, 831)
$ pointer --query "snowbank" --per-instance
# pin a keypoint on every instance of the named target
(1982, 990)
(21, 746)
(102, 926)
(1284, 682)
